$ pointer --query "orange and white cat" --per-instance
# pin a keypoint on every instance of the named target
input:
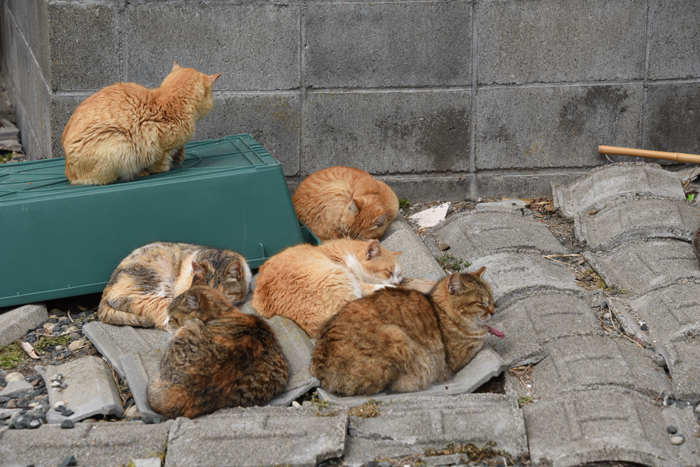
(344, 202)
(126, 130)
(307, 284)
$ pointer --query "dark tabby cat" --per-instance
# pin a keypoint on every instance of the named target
(218, 357)
(402, 340)
(145, 282)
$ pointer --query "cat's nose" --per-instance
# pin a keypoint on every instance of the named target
(492, 309)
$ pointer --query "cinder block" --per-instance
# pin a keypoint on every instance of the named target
(533, 320)
(418, 188)
(674, 39)
(254, 45)
(643, 266)
(62, 107)
(273, 120)
(15, 323)
(416, 260)
(90, 443)
(375, 44)
(605, 185)
(626, 221)
(512, 274)
(596, 425)
(473, 235)
(411, 426)
(115, 341)
(84, 45)
(29, 89)
(388, 132)
(537, 127)
(672, 123)
(90, 389)
(31, 18)
(523, 42)
(253, 437)
(577, 362)
(522, 185)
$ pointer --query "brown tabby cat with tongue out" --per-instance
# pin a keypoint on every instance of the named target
(402, 340)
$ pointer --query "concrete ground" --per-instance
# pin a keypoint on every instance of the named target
(599, 362)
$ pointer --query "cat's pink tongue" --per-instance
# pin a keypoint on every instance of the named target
(496, 332)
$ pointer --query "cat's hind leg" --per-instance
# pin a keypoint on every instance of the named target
(111, 315)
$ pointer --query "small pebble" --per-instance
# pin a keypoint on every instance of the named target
(68, 461)
(677, 440)
(34, 423)
(697, 409)
(55, 384)
(67, 423)
(384, 464)
(59, 404)
(606, 315)
(132, 412)
(77, 344)
(672, 430)
(10, 377)
(295, 404)
(645, 328)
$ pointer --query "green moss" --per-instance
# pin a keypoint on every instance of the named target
(450, 263)
(404, 203)
(11, 355)
(47, 341)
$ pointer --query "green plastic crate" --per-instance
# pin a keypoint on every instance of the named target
(58, 240)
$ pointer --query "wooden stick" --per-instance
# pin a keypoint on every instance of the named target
(669, 156)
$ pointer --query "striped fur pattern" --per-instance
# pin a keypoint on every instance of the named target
(344, 202)
(126, 131)
(218, 357)
(145, 282)
(401, 340)
(307, 284)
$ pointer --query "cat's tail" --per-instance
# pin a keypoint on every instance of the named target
(110, 315)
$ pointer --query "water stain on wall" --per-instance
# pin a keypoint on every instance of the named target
(442, 136)
(595, 111)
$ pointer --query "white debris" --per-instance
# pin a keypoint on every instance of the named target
(431, 217)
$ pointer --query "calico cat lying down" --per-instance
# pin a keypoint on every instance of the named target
(345, 202)
(145, 282)
(125, 130)
(218, 357)
(402, 340)
(307, 284)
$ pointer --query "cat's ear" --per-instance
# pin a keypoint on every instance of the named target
(479, 272)
(199, 273)
(192, 300)
(349, 213)
(455, 284)
(212, 78)
(176, 66)
(234, 269)
(379, 221)
(373, 250)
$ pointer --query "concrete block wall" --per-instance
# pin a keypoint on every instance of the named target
(442, 99)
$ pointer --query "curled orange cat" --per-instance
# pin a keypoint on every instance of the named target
(126, 130)
(344, 202)
(307, 284)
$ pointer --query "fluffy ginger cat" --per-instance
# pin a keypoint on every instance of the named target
(307, 284)
(218, 357)
(402, 340)
(145, 282)
(126, 130)
(344, 202)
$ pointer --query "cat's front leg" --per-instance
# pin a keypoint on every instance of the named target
(160, 166)
(178, 155)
